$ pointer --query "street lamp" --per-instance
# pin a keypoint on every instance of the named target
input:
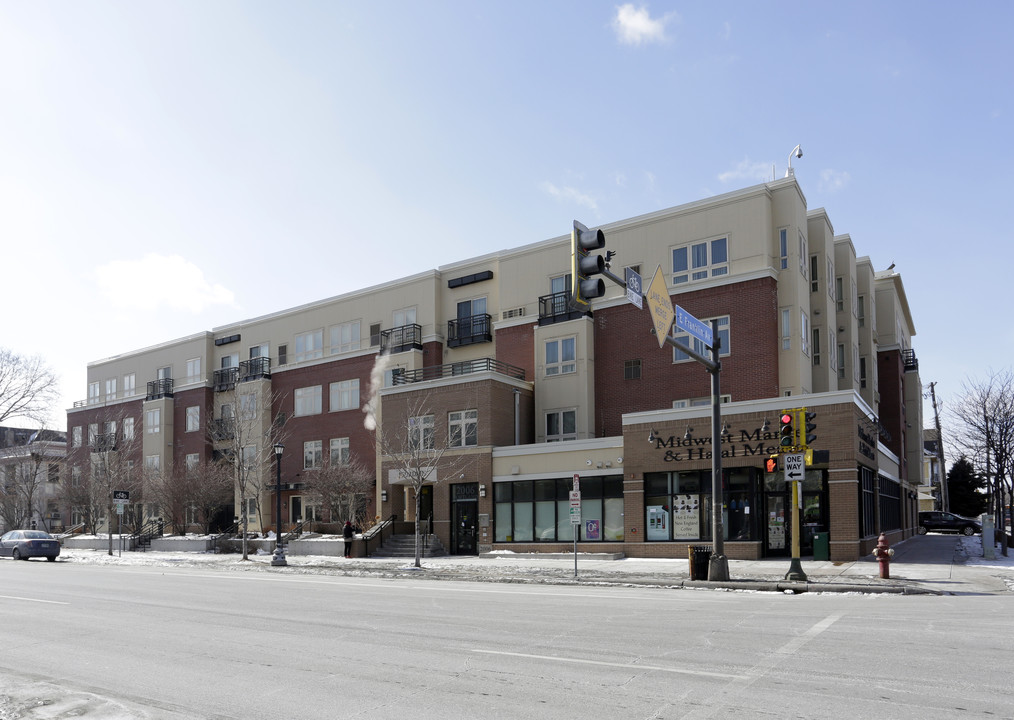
(279, 557)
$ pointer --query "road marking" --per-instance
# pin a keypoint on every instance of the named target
(36, 600)
(627, 666)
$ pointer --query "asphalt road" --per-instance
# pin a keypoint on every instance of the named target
(135, 642)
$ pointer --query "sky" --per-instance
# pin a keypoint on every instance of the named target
(166, 168)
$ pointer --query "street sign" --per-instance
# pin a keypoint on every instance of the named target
(688, 323)
(794, 466)
(577, 482)
(660, 306)
(575, 507)
(121, 496)
(634, 292)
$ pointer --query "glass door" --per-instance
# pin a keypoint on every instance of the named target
(776, 513)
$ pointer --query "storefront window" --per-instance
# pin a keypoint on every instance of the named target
(539, 510)
(678, 505)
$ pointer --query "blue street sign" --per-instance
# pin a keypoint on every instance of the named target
(688, 323)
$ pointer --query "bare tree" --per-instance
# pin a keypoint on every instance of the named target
(410, 445)
(244, 435)
(172, 490)
(211, 490)
(341, 488)
(20, 491)
(984, 431)
(114, 451)
(27, 387)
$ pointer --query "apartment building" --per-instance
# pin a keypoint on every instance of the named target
(505, 393)
(31, 475)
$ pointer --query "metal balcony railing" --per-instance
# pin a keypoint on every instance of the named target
(160, 388)
(104, 442)
(255, 368)
(225, 379)
(909, 360)
(470, 330)
(556, 308)
(223, 429)
(436, 372)
(399, 339)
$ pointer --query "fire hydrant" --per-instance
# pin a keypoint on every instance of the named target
(883, 553)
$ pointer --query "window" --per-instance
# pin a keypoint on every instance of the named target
(230, 361)
(283, 354)
(804, 332)
(862, 372)
(463, 428)
(632, 369)
(339, 451)
(345, 395)
(128, 385)
(93, 393)
(802, 254)
(193, 370)
(313, 454)
(164, 373)
(539, 510)
(704, 401)
(560, 284)
(855, 300)
(307, 401)
(248, 457)
(153, 463)
(374, 334)
(783, 248)
(561, 425)
(560, 356)
(814, 285)
(786, 328)
(76, 436)
(405, 316)
(830, 274)
(260, 351)
(839, 297)
(248, 406)
(111, 389)
(861, 310)
(53, 473)
(93, 433)
(345, 337)
(128, 428)
(700, 260)
(193, 460)
(194, 418)
(420, 432)
(697, 346)
(310, 345)
(831, 344)
(153, 421)
(855, 364)
(841, 361)
(816, 346)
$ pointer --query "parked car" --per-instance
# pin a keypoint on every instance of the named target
(24, 544)
(947, 522)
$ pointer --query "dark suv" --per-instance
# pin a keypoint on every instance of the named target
(947, 522)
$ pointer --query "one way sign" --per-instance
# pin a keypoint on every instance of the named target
(794, 466)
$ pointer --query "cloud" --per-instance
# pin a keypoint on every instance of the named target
(833, 180)
(156, 281)
(569, 194)
(747, 171)
(634, 26)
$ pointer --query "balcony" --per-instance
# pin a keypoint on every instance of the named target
(909, 361)
(556, 308)
(161, 388)
(255, 368)
(470, 330)
(104, 442)
(224, 429)
(225, 379)
(400, 339)
(436, 372)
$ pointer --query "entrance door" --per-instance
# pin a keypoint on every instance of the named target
(295, 509)
(777, 529)
(464, 519)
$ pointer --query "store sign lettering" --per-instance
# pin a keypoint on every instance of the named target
(748, 444)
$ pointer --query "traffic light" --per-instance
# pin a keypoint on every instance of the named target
(808, 431)
(584, 267)
(771, 464)
(788, 429)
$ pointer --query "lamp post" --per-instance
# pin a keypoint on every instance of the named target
(279, 557)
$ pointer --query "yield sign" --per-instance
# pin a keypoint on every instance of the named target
(660, 306)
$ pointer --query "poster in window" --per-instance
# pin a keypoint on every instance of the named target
(658, 528)
(686, 517)
(591, 530)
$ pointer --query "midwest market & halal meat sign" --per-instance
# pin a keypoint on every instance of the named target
(748, 443)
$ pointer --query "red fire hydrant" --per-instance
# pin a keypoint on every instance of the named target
(883, 554)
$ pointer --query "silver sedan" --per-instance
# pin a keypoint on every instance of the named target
(24, 544)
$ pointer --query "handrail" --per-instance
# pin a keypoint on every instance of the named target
(465, 367)
(376, 530)
(297, 531)
(231, 530)
(147, 532)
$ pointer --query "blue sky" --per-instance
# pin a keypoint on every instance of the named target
(169, 167)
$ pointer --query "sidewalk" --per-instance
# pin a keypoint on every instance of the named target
(930, 564)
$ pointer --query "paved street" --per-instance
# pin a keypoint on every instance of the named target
(148, 641)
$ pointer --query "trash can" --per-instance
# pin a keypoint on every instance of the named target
(700, 559)
(822, 546)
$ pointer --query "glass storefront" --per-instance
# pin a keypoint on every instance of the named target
(678, 505)
(539, 510)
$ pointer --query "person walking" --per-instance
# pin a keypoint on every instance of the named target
(347, 534)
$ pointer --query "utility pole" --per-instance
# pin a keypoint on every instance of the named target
(945, 503)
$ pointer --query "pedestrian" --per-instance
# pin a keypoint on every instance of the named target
(347, 534)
